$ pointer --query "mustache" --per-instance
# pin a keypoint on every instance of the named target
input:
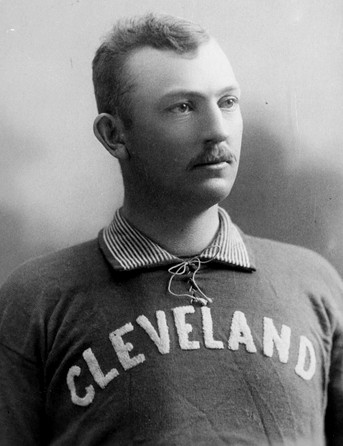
(213, 155)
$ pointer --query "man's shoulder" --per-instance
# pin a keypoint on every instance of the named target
(292, 260)
(268, 250)
(80, 263)
(276, 247)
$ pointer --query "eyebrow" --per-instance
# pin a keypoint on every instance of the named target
(185, 92)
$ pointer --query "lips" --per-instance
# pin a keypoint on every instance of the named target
(208, 160)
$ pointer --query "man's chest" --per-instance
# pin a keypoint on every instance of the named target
(255, 354)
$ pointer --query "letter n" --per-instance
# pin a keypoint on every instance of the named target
(271, 337)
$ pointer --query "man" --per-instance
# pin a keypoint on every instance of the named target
(174, 328)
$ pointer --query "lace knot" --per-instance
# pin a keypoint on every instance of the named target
(188, 269)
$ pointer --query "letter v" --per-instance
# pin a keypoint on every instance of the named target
(161, 339)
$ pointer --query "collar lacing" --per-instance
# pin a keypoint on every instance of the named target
(188, 269)
(127, 249)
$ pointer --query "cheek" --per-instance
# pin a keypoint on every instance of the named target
(157, 144)
(153, 152)
(236, 131)
(171, 144)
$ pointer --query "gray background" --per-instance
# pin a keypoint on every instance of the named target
(58, 186)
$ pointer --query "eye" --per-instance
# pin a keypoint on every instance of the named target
(182, 108)
(229, 103)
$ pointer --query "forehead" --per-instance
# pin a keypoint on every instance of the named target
(155, 73)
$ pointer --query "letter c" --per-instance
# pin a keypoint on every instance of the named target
(90, 392)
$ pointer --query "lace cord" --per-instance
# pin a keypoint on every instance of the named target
(185, 268)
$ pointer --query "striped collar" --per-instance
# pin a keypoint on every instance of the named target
(128, 249)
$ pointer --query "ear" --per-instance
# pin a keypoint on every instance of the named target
(109, 131)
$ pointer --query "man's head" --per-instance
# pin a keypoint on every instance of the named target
(178, 136)
(112, 82)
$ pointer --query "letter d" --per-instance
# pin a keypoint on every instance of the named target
(306, 349)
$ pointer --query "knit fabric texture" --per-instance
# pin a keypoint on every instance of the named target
(91, 355)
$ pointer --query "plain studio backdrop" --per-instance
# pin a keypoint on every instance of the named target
(58, 186)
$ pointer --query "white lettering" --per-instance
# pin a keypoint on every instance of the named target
(207, 326)
(161, 339)
(183, 329)
(122, 349)
(90, 392)
(271, 338)
(306, 346)
(94, 367)
(240, 333)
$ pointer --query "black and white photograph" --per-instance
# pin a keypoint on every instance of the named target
(171, 223)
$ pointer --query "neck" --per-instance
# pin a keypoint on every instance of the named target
(176, 228)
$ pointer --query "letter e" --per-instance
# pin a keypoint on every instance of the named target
(183, 329)
(123, 349)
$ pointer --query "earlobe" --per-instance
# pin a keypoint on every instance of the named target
(108, 130)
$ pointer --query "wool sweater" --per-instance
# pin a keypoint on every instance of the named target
(91, 354)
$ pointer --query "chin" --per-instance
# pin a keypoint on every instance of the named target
(212, 192)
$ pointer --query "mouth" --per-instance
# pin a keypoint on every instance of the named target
(211, 166)
(214, 163)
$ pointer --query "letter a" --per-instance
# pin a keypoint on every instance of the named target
(240, 333)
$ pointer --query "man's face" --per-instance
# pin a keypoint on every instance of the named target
(185, 140)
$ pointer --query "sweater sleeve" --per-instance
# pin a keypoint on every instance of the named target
(21, 364)
(334, 412)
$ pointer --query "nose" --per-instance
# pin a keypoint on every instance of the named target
(214, 125)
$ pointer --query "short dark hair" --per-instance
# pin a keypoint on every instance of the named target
(111, 83)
